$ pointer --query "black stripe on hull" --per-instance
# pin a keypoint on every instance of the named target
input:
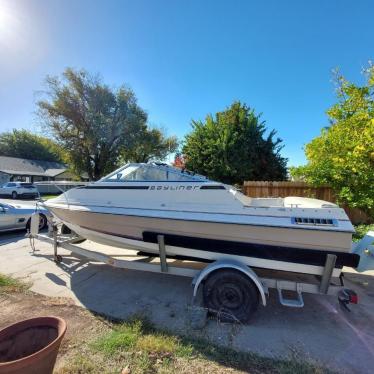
(115, 187)
(213, 187)
(267, 252)
(96, 187)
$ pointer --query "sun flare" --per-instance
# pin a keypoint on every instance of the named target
(8, 22)
(5, 14)
(11, 25)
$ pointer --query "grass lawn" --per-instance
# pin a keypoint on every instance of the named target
(9, 284)
(137, 347)
(47, 197)
(96, 345)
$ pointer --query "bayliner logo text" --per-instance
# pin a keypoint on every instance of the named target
(174, 188)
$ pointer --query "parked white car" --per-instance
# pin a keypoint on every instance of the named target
(18, 189)
(18, 217)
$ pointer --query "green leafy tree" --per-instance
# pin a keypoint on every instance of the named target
(24, 144)
(343, 155)
(95, 124)
(232, 147)
(151, 144)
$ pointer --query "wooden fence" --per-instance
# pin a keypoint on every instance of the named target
(284, 189)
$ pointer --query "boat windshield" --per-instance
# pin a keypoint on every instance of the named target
(150, 172)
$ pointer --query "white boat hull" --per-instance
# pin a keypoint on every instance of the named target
(138, 245)
(133, 227)
(205, 220)
(127, 231)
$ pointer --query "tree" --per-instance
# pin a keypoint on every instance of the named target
(151, 144)
(232, 147)
(95, 123)
(343, 155)
(24, 144)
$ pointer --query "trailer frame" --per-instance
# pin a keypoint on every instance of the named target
(324, 286)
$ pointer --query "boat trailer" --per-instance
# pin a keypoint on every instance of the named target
(222, 270)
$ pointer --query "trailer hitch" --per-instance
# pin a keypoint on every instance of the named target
(347, 296)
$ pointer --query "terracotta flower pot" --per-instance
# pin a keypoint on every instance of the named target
(31, 346)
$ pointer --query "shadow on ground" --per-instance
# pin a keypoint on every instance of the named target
(320, 330)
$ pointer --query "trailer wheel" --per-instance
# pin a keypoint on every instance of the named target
(230, 295)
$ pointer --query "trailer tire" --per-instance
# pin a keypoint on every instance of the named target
(230, 295)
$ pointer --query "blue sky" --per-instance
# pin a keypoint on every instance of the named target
(185, 59)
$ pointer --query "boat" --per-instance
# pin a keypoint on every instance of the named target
(205, 220)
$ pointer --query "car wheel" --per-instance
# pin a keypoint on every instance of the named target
(42, 222)
(14, 195)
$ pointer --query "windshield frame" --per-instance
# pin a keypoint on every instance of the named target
(168, 169)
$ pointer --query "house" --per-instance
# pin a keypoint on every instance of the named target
(24, 170)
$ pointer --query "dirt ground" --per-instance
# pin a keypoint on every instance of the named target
(82, 325)
(85, 327)
(340, 340)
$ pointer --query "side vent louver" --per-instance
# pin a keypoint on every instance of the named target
(314, 221)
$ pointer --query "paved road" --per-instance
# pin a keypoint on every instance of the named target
(30, 202)
(320, 330)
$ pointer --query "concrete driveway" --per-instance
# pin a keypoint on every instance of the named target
(320, 330)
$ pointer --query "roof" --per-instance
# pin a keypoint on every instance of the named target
(18, 172)
(54, 172)
(22, 166)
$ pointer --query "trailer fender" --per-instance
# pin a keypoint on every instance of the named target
(365, 249)
(231, 264)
